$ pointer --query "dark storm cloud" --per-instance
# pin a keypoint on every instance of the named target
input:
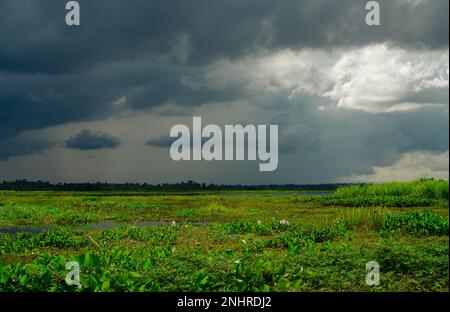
(20, 146)
(91, 140)
(38, 101)
(336, 142)
(143, 49)
(423, 129)
(35, 38)
(324, 23)
(162, 141)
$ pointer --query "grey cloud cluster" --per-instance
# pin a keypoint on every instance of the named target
(92, 140)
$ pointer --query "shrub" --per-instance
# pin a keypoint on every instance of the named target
(414, 223)
(374, 201)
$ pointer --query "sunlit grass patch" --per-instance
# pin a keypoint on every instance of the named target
(422, 188)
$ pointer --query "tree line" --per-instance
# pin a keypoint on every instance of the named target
(24, 185)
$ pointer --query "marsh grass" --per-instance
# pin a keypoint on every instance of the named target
(422, 188)
(419, 193)
(363, 218)
(261, 242)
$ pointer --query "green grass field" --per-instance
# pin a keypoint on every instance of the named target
(230, 241)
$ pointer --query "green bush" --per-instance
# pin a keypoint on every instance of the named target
(414, 223)
(374, 201)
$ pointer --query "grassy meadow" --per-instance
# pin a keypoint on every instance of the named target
(228, 241)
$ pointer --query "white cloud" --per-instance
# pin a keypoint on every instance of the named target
(375, 78)
(379, 79)
(286, 71)
(410, 166)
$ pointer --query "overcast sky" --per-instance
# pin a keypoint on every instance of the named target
(96, 102)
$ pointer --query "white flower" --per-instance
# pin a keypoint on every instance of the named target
(174, 223)
(259, 221)
(284, 221)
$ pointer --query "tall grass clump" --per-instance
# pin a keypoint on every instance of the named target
(372, 218)
(422, 188)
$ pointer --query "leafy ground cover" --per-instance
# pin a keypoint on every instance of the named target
(259, 242)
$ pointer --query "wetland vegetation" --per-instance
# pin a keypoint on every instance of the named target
(261, 240)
